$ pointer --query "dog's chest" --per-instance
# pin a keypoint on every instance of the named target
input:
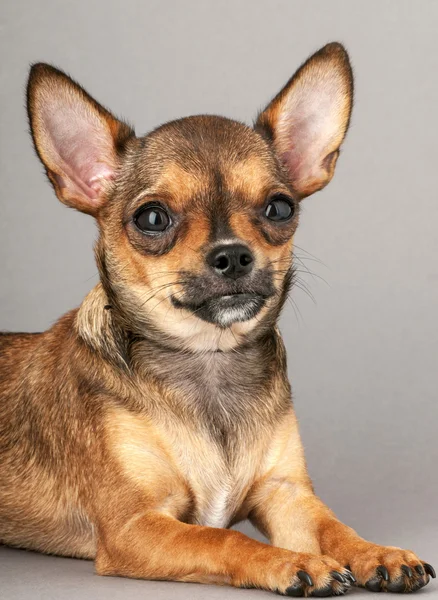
(217, 512)
(183, 470)
(219, 485)
(220, 460)
(200, 442)
(219, 504)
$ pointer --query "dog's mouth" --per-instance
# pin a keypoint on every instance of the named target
(226, 309)
(224, 301)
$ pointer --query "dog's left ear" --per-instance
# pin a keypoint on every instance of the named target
(307, 121)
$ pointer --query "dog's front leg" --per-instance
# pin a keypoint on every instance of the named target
(283, 506)
(153, 545)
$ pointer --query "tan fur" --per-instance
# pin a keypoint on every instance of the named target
(135, 432)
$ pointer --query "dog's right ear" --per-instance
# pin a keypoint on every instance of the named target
(78, 141)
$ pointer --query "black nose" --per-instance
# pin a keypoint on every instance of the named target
(232, 261)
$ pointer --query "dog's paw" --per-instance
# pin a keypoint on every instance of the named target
(390, 569)
(317, 577)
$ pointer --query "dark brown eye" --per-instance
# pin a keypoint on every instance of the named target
(151, 219)
(280, 208)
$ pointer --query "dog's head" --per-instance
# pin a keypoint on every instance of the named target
(196, 218)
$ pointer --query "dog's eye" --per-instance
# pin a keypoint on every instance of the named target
(152, 219)
(280, 208)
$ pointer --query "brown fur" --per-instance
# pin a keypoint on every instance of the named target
(135, 433)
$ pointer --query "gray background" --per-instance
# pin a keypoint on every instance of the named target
(363, 358)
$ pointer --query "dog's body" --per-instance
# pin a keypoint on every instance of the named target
(188, 446)
(206, 464)
(142, 425)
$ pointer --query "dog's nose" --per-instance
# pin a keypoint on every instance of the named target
(234, 260)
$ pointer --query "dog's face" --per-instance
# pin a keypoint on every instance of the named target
(198, 233)
(197, 218)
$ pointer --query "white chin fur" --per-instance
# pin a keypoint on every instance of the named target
(227, 316)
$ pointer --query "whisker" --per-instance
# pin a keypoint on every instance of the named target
(313, 275)
(162, 300)
(311, 255)
(95, 275)
(301, 286)
(302, 263)
(310, 259)
(237, 343)
(160, 288)
(296, 308)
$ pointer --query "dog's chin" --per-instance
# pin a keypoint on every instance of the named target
(224, 311)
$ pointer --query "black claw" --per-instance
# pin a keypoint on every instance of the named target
(322, 592)
(350, 576)
(419, 570)
(383, 571)
(406, 570)
(338, 576)
(429, 570)
(305, 577)
(374, 585)
(295, 591)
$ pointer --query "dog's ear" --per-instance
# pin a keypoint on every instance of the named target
(78, 141)
(307, 121)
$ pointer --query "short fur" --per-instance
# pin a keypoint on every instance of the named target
(141, 426)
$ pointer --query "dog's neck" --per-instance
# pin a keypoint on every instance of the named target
(226, 393)
(226, 389)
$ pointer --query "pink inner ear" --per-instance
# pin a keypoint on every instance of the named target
(80, 148)
(309, 127)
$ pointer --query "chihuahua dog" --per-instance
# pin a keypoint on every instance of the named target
(144, 424)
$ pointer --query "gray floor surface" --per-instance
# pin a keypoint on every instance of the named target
(31, 576)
